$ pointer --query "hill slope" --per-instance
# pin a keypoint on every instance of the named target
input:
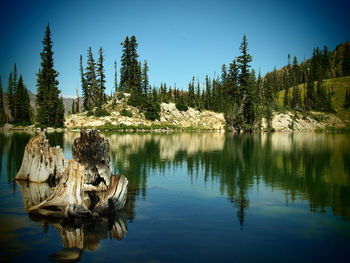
(338, 86)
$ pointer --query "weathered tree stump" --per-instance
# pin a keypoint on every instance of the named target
(41, 162)
(85, 187)
(67, 198)
(92, 151)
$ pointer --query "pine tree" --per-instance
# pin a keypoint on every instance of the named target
(232, 86)
(2, 109)
(125, 66)
(130, 73)
(144, 79)
(115, 77)
(296, 98)
(135, 67)
(91, 80)
(22, 103)
(246, 88)
(208, 94)
(84, 87)
(59, 119)
(191, 95)
(47, 99)
(198, 95)
(101, 79)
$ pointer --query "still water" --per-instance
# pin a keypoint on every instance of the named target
(195, 197)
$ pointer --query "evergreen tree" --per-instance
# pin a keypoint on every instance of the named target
(144, 79)
(309, 97)
(232, 86)
(125, 66)
(84, 87)
(296, 98)
(47, 99)
(135, 67)
(295, 72)
(91, 80)
(130, 73)
(115, 77)
(246, 88)
(2, 109)
(22, 103)
(191, 95)
(59, 119)
(101, 79)
(198, 95)
(208, 94)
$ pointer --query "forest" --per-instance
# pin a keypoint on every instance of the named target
(244, 96)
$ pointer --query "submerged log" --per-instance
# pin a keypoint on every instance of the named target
(41, 162)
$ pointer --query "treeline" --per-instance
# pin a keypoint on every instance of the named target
(49, 104)
(93, 82)
(18, 101)
(237, 92)
(322, 65)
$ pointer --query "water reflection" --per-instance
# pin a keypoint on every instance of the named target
(314, 168)
(76, 235)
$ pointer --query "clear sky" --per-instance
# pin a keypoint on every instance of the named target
(179, 39)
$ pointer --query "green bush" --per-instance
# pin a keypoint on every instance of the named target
(181, 107)
(90, 113)
(126, 113)
(101, 112)
(152, 115)
(136, 101)
(120, 96)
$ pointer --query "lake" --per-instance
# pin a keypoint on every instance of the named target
(195, 197)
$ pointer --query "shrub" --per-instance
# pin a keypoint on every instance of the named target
(136, 101)
(181, 107)
(126, 113)
(152, 115)
(101, 112)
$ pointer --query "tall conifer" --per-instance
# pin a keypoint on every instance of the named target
(47, 99)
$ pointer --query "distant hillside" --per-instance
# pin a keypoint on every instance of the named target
(338, 86)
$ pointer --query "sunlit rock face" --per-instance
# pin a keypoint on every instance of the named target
(169, 115)
(41, 161)
(191, 118)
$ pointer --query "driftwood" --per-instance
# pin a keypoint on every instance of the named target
(41, 162)
(85, 187)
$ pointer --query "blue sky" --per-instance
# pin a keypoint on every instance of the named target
(179, 39)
